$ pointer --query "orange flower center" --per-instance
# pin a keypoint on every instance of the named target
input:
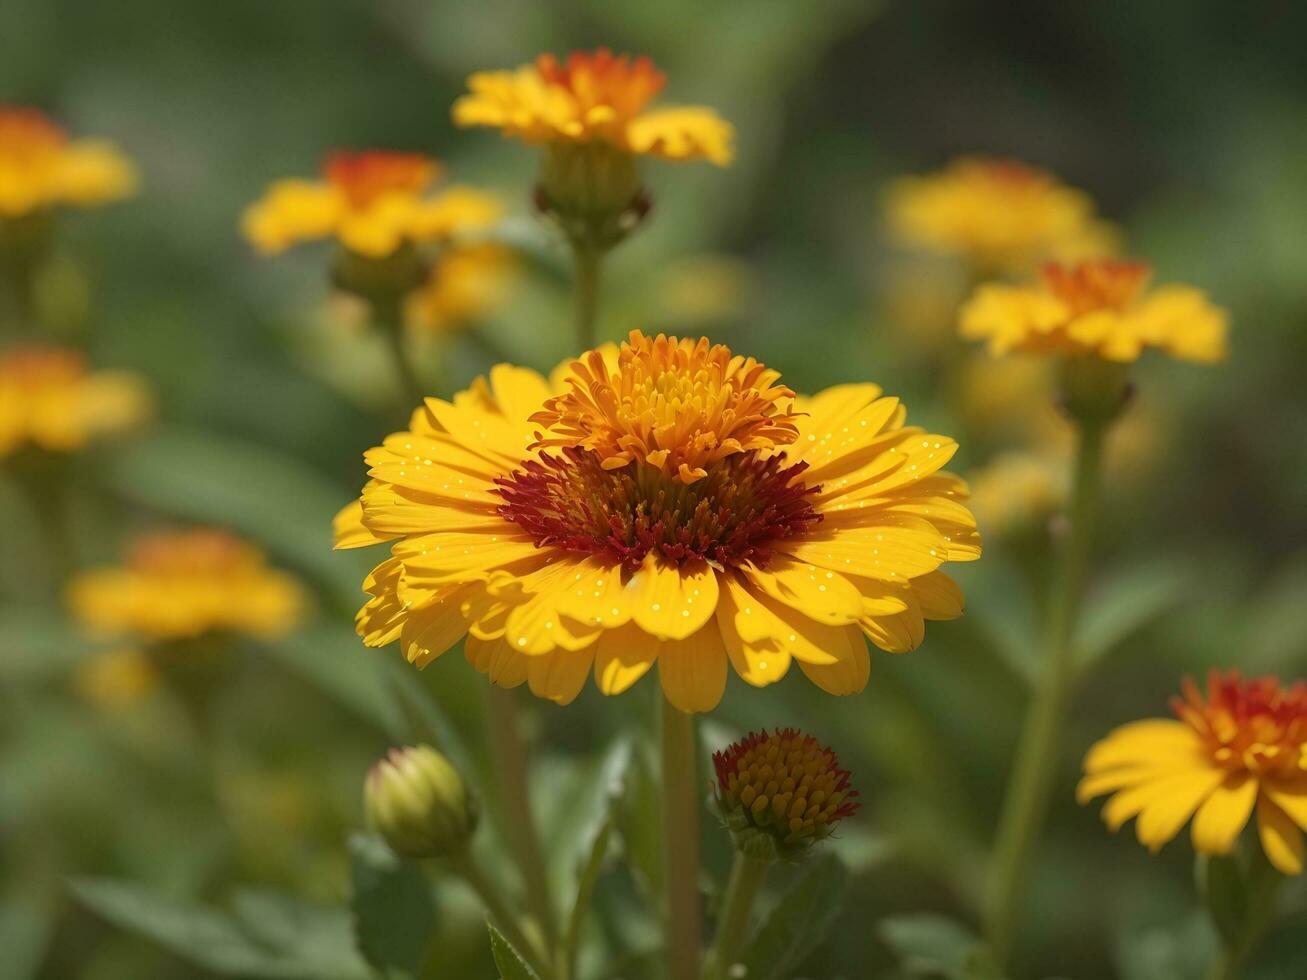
(1008, 175)
(1256, 725)
(603, 79)
(184, 554)
(33, 368)
(28, 135)
(1100, 284)
(370, 174)
(675, 404)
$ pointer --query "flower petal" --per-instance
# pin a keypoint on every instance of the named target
(622, 657)
(852, 667)
(818, 593)
(1281, 837)
(693, 670)
(1163, 815)
(1142, 743)
(559, 676)
(673, 603)
(1224, 814)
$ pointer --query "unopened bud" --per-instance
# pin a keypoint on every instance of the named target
(419, 803)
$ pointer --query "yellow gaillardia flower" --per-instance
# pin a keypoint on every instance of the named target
(373, 202)
(678, 508)
(41, 168)
(1099, 308)
(1240, 749)
(182, 584)
(1001, 215)
(467, 283)
(49, 399)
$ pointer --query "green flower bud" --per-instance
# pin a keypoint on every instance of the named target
(419, 803)
(592, 191)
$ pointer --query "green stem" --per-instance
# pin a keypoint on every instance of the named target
(680, 842)
(1026, 802)
(588, 259)
(747, 875)
(470, 869)
(390, 322)
(509, 756)
(1263, 890)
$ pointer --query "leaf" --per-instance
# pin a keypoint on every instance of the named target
(930, 945)
(1127, 602)
(799, 922)
(316, 947)
(509, 961)
(393, 905)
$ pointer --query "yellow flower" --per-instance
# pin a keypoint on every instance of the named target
(466, 284)
(41, 168)
(50, 400)
(1017, 489)
(116, 678)
(1100, 308)
(373, 202)
(1241, 748)
(598, 546)
(1001, 215)
(181, 584)
(593, 97)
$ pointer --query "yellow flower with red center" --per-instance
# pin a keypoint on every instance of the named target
(1100, 308)
(466, 284)
(560, 556)
(182, 584)
(1242, 748)
(41, 168)
(373, 202)
(49, 399)
(1001, 215)
(593, 97)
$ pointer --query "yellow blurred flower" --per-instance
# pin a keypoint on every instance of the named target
(593, 97)
(49, 399)
(466, 283)
(996, 396)
(1017, 489)
(41, 168)
(116, 678)
(1240, 749)
(1001, 215)
(181, 584)
(666, 503)
(372, 201)
(1100, 308)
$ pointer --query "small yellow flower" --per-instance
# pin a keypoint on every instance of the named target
(593, 97)
(1100, 308)
(41, 168)
(49, 399)
(116, 678)
(1017, 489)
(1240, 749)
(373, 202)
(181, 584)
(680, 508)
(1001, 215)
(466, 284)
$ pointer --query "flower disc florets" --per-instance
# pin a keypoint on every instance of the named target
(1257, 725)
(781, 792)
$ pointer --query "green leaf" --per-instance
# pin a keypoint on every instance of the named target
(303, 943)
(1127, 602)
(930, 945)
(799, 922)
(508, 960)
(394, 907)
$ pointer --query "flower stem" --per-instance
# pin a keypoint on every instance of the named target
(509, 756)
(1026, 802)
(680, 842)
(470, 869)
(390, 323)
(747, 875)
(588, 258)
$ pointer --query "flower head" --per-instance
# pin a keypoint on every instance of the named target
(560, 558)
(372, 201)
(41, 167)
(593, 97)
(781, 792)
(180, 584)
(1241, 748)
(49, 399)
(1002, 215)
(467, 283)
(1099, 308)
(419, 803)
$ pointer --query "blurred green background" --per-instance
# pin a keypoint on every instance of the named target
(1184, 120)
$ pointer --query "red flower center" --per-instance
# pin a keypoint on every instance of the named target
(367, 175)
(1258, 725)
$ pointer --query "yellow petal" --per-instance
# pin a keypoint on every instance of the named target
(1290, 795)
(1143, 743)
(622, 657)
(759, 659)
(817, 592)
(901, 548)
(349, 531)
(673, 602)
(1164, 815)
(1111, 780)
(559, 676)
(432, 629)
(682, 133)
(939, 596)
(1281, 838)
(852, 667)
(504, 666)
(693, 670)
(1224, 814)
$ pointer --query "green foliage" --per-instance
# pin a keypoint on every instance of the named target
(509, 961)
(393, 907)
(930, 945)
(800, 920)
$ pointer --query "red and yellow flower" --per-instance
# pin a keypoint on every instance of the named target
(42, 168)
(1240, 750)
(663, 503)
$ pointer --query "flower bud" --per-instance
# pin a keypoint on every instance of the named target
(780, 793)
(592, 191)
(419, 803)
